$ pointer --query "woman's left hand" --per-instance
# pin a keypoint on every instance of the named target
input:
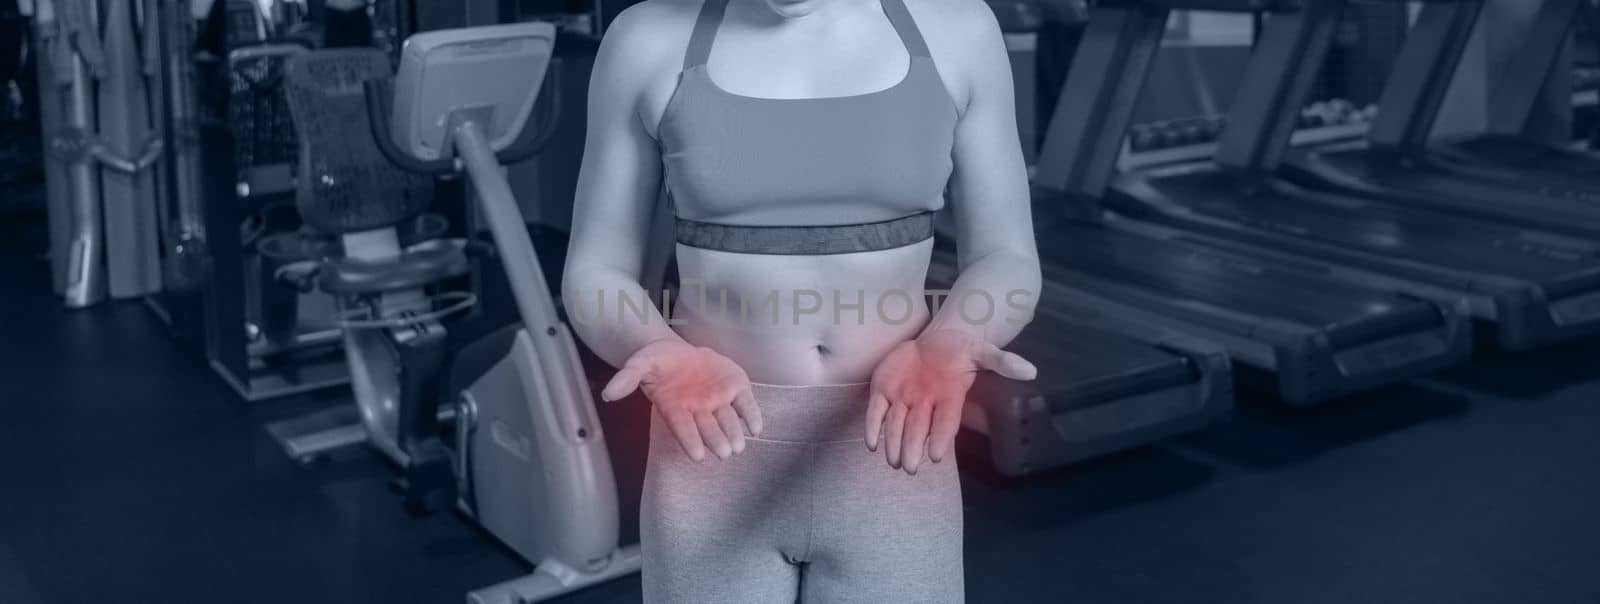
(918, 391)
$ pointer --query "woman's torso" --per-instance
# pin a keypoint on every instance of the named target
(842, 119)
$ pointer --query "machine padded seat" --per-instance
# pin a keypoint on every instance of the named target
(410, 270)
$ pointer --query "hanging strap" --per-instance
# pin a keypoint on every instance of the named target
(906, 27)
(705, 33)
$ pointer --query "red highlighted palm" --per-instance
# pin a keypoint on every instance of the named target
(703, 397)
(919, 389)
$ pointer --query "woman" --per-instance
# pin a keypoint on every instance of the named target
(804, 145)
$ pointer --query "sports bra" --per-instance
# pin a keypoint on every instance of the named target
(825, 175)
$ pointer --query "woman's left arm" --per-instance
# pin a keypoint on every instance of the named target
(999, 262)
(919, 389)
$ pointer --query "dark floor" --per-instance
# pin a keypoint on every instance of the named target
(134, 475)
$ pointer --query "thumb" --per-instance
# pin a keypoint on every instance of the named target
(624, 382)
(1007, 364)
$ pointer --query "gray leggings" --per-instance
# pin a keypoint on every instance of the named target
(806, 513)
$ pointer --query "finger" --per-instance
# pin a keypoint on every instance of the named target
(745, 404)
(731, 426)
(624, 382)
(713, 436)
(877, 408)
(1007, 364)
(894, 429)
(946, 422)
(916, 438)
(682, 425)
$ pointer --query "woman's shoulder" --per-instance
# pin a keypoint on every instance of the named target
(965, 40)
(956, 26)
(654, 24)
(646, 42)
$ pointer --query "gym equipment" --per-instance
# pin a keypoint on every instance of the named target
(185, 243)
(1537, 287)
(530, 454)
(104, 234)
(1019, 24)
(1098, 391)
(21, 165)
(245, 23)
(264, 143)
(130, 75)
(1288, 324)
(1504, 155)
(1475, 176)
(263, 339)
(57, 176)
(391, 309)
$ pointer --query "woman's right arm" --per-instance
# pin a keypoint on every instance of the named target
(704, 398)
(616, 195)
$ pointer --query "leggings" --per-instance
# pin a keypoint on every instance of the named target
(805, 514)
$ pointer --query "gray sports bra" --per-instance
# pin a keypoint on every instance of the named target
(826, 175)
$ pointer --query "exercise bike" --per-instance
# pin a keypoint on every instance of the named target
(528, 462)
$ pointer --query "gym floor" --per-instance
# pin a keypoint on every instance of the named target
(133, 474)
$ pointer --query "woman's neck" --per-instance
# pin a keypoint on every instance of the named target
(789, 10)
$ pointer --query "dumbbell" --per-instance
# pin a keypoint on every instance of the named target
(1341, 111)
(1310, 117)
(1141, 137)
(1191, 131)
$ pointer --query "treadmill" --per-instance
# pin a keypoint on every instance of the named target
(1537, 287)
(1287, 324)
(1397, 163)
(1503, 154)
(1099, 390)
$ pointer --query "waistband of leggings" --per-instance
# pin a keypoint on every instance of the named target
(824, 413)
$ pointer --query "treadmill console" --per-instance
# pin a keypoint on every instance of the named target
(497, 69)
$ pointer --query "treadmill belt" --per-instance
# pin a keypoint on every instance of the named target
(1221, 278)
(1089, 351)
(1081, 363)
(1441, 190)
(1513, 152)
(1467, 246)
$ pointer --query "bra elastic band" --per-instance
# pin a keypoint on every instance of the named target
(806, 240)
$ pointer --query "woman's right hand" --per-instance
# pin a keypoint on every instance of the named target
(704, 397)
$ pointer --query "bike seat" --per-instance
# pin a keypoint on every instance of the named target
(411, 270)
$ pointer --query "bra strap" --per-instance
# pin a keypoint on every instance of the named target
(705, 33)
(900, 17)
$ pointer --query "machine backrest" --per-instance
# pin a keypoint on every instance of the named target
(344, 183)
(495, 69)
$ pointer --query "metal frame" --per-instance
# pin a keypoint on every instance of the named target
(1430, 56)
(1081, 146)
(1520, 85)
(1260, 126)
